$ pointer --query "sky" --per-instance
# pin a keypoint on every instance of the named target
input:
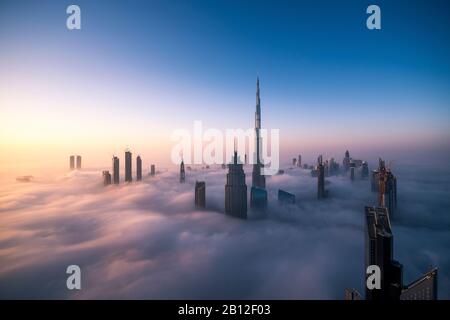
(138, 70)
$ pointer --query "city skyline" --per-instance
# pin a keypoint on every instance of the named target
(89, 170)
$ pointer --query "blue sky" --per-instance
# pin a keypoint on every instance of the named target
(324, 75)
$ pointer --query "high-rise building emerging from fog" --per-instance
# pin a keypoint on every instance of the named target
(387, 189)
(138, 168)
(115, 165)
(346, 161)
(200, 194)
(72, 162)
(106, 178)
(258, 180)
(320, 179)
(379, 243)
(258, 198)
(379, 252)
(299, 162)
(78, 162)
(236, 190)
(182, 172)
(128, 176)
(285, 197)
(364, 170)
(152, 170)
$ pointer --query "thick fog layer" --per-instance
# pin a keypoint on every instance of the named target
(146, 240)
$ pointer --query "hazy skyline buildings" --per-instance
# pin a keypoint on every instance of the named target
(182, 172)
(138, 168)
(72, 162)
(106, 178)
(320, 179)
(78, 162)
(116, 170)
(200, 194)
(128, 172)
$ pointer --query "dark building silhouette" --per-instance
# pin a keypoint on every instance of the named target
(106, 178)
(294, 162)
(380, 251)
(258, 198)
(285, 197)
(128, 176)
(115, 165)
(352, 173)
(320, 179)
(346, 161)
(374, 180)
(152, 170)
(299, 162)
(258, 180)
(364, 170)
(138, 168)
(72, 162)
(387, 189)
(236, 190)
(379, 243)
(200, 194)
(182, 172)
(424, 288)
(78, 162)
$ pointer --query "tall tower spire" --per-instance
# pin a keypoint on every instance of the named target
(258, 180)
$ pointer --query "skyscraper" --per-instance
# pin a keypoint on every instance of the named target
(424, 288)
(182, 172)
(128, 176)
(138, 168)
(380, 251)
(299, 162)
(364, 170)
(78, 162)
(258, 180)
(285, 197)
(72, 162)
(320, 179)
(152, 170)
(258, 198)
(106, 178)
(379, 243)
(387, 189)
(352, 173)
(200, 194)
(294, 162)
(236, 190)
(115, 164)
(346, 161)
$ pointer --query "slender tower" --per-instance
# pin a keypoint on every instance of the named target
(138, 168)
(128, 177)
(258, 180)
(182, 173)
(320, 179)
(115, 163)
